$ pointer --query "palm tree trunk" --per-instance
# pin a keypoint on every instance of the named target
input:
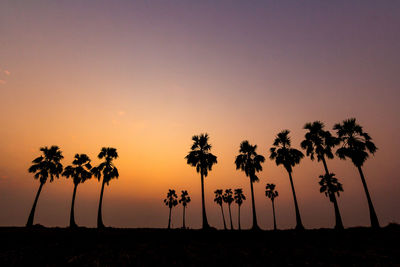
(230, 216)
(183, 224)
(253, 206)
(169, 218)
(299, 224)
(372, 214)
(239, 217)
(99, 215)
(205, 222)
(273, 213)
(223, 216)
(72, 223)
(32, 214)
(338, 217)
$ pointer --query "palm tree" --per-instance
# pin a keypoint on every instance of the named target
(250, 162)
(356, 145)
(228, 198)
(201, 158)
(47, 165)
(108, 170)
(219, 200)
(185, 199)
(330, 186)
(80, 172)
(271, 193)
(239, 198)
(320, 142)
(284, 155)
(171, 201)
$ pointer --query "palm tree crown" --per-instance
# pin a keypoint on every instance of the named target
(249, 161)
(228, 196)
(185, 199)
(218, 196)
(355, 142)
(270, 192)
(107, 167)
(200, 156)
(330, 185)
(47, 165)
(283, 154)
(239, 196)
(80, 169)
(171, 199)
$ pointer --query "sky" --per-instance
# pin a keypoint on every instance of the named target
(145, 76)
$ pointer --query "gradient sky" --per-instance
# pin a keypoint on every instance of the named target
(144, 76)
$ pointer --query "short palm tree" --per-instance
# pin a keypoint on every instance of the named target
(250, 162)
(285, 155)
(45, 166)
(330, 186)
(219, 198)
(201, 158)
(357, 145)
(239, 198)
(171, 201)
(108, 170)
(320, 143)
(271, 193)
(228, 199)
(185, 199)
(80, 172)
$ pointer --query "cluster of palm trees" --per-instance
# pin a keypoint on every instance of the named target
(48, 166)
(352, 142)
(172, 200)
(228, 197)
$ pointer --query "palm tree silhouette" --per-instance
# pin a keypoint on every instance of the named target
(356, 145)
(201, 158)
(171, 201)
(250, 162)
(228, 198)
(108, 170)
(330, 186)
(239, 198)
(284, 155)
(320, 142)
(80, 172)
(185, 199)
(271, 193)
(47, 165)
(219, 200)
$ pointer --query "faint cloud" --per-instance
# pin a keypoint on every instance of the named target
(2, 82)
(7, 72)
(121, 113)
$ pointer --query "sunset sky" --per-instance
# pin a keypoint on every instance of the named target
(144, 76)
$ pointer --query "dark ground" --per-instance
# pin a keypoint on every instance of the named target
(40, 246)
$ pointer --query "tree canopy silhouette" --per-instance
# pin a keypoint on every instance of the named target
(285, 155)
(330, 185)
(184, 200)
(357, 145)
(108, 171)
(171, 201)
(219, 198)
(80, 172)
(250, 162)
(239, 198)
(320, 142)
(201, 158)
(228, 199)
(271, 193)
(45, 166)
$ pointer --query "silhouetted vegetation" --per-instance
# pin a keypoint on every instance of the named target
(271, 193)
(185, 199)
(228, 199)
(239, 198)
(171, 201)
(219, 200)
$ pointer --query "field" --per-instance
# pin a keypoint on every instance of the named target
(41, 246)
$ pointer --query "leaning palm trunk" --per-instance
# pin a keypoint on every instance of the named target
(169, 218)
(223, 216)
(183, 224)
(32, 214)
(299, 224)
(72, 223)
(99, 215)
(273, 213)
(239, 218)
(372, 214)
(253, 206)
(230, 216)
(205, 222)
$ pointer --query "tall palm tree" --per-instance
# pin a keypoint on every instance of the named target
(219, 200)
(271, 193)
(171, 201)
(320, 142)
(108, 170)
(250, 162)
(239, 198)
(356, 145)
(285, 155)
(45, 166)
(228, 199)
(80, 172)
(185, 199)
(330, 186)
(201, 158)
